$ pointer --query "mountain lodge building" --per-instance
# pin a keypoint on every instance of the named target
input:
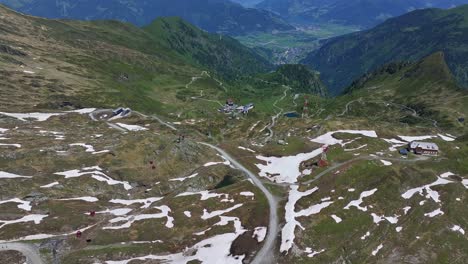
(424, 148)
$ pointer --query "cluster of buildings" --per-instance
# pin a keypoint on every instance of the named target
(231, 108)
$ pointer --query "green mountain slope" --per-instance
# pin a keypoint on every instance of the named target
(299, 78)
(421, 93)
(111, 63)
(222, 54)
(409, 37)
(220, 16)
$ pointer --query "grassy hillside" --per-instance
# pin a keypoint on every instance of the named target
(299, 78)
(109, 63)
(424, 93)
(409, 37)
(222, 54)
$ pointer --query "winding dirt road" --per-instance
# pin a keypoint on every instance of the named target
(266, 254)
(30, 251)
(275, 117)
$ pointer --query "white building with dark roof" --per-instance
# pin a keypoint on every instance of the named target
(424, 148)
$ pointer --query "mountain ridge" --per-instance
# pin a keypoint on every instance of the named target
(355, 12)
(221, 16)
(409, 37)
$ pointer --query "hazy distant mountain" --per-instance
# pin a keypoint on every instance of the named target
(247, 3)
(211, 15)
(364, 13)
(408, 37)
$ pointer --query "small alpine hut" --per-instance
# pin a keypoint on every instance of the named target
(424, 148)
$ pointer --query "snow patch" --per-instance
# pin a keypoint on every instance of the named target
(311, 253)
(288, 231)
(85, 198)
(284, 169)
(205, 195)
(434, 213)
(225, 162)
(129, 220)
(132, 127)
(375, 251)
(336, 218)
(328, 138)
(214, 250)
(184, 178)
(365, 235)
(40, 117)
(457, 228)
(386, 163)
(7, 175)
(96, 173)
(147, 202)
(434, 195)
(11, 145)
(116, 212)
(50, 185)
(247, 149)
(357, 203)
(36, 218)
(260, 233)
(24, 205)
(206, 215)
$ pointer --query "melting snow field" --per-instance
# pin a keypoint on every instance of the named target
(458, 229)
(213, 250)
(366, 235)
(357, 203)
(225, 162)
(40, 117)
(260, 233)
(7, 175)
(286, 169)
(336, 218)
(395, 143)
(36, 218)
(434, 213)
(434, 195)
(311, 253)
(184, 178)
(386, 163)
(45, 236)
(11, 145)
(50, 185)
(132, 127)
(247, 194)
(116, 212)
(205, 195)
(24, 205)
(129, 220)
(85, 198)
(287, 233)
(328, 138)
(374, 252)
(96, 173)
(147, 202)
(391, 219)
(247, 149)
(417, 138)
(207, 215)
